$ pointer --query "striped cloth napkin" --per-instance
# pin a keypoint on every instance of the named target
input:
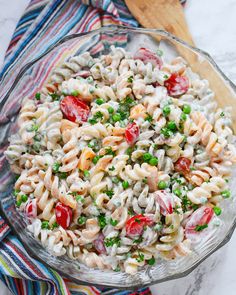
(43, 23)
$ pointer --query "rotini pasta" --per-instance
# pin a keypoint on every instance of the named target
(122, 159)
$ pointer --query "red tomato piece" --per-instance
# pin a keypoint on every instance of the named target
(147, 55)
(63, 215)
(135, 225)
(131, 133)
(31, 209)
(165, 201)
(177, 85)
(183, 165)
(99, 244)
(201, 216)
(74, 109)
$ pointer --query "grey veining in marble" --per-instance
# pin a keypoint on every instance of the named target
(213, 26)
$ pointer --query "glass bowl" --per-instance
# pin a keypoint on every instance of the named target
(30, 80)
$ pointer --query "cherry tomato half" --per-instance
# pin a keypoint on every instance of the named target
(177, 85)
(147, 55)
(182, 165)
(131, 133)
(135, 225)
(63, 215)
(74, 109)
(31, 209)
(165, 201)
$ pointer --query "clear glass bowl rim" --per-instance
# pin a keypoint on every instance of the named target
(114, 29)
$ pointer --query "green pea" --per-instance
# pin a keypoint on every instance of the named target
(24, 198)
(125, 184)
(99, 101)
(162, 185)
(166, 110)
(110, 110)
(153, 161)
(183, 117)
(147, 157)
(226, 194)
(116, 117)
(217, 210)
(172, 126)
(177, 192)
(187, 109)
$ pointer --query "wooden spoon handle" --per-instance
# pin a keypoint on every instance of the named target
(161, 14)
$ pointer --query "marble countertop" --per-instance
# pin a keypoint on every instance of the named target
(213, 26)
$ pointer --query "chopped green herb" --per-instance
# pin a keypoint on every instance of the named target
(145, 180)
(37, 96)
(201, 227)
(171, 126)
(138, 241)
(222, 114)
(162, 185)
(16, 192)
(176, 209)
(113, 222)
(112, 168)
(166, 132)
(140, 257)
(130, 79)
(192, 168)
(226, 194)
(125, 184)
(102, 220)
(117, 269)
(33, 128)
(37, 137)
(130, 211)
(54, 96)
(109, 242)
(217, 210)
(109, 151)
(45, 225)
(148, 118)
(79, 198)
(137, 220)
(98, 115)
(62, 175)
(55, 225)
(100, 101)
(96, 159)
(81, 220)
(166, 111)
(55, 167)
(151, 261)
(24, 198)
(18, 203)
(186, 109)
(109, 193)
(165, 76)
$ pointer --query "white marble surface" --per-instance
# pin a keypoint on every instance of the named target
(213, 26)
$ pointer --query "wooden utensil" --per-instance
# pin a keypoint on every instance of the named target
(169, 16)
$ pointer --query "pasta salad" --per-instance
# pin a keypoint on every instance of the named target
(122, 160)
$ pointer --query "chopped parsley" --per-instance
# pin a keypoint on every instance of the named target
(138, 241)
(55, 96)
(109, 193)
(81, 220)
(37, 96)
(140, 257)
(201, 227)
(222, 114)
(112, 168)
(151, 261)
(55, 167)
(130, 79)
(113, 222)
(109, 151)
(109, 242)
(102, 220)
